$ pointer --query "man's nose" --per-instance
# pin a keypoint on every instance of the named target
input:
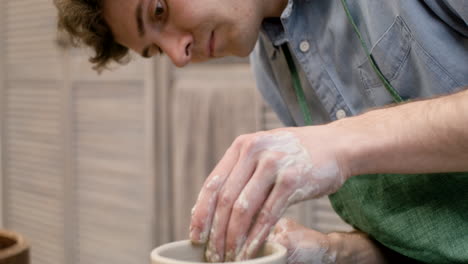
(178, 46)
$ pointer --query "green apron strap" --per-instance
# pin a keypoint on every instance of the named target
(297, 86)
(396, 97)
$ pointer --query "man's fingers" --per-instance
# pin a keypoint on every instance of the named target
(248, 204)
(203, 211)
(271, 212)
(226, 198)
(280, 231)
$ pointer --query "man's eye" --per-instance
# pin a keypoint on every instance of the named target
(159, 10)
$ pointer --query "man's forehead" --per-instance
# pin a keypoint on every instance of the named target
(120, 16)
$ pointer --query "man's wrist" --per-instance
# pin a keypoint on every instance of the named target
(355, 247)
(358, 141)
(336, 245)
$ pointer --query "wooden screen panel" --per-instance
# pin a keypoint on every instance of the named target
(2, 85)
(32, 147)
(31, 51)
(113, 214)
(33, 171)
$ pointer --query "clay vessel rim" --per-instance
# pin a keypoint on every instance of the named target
(280, 251)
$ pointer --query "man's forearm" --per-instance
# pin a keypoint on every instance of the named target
(418, 137)
(356, 247)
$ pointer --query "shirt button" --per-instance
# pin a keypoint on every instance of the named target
(304, 46)
(340, 114)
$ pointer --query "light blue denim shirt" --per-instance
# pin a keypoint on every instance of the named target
(421, 46)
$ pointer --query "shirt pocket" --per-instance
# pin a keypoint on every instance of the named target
(411, 70)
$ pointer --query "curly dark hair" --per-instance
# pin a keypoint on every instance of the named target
(84, 22)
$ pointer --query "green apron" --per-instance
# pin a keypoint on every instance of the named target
(421, 216)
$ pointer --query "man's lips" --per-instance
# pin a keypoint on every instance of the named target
(211, 45)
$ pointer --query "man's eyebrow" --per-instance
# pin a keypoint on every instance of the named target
(139, 19)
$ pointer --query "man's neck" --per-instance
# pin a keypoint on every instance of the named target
(274, 8)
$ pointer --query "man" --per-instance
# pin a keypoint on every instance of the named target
(321, 61)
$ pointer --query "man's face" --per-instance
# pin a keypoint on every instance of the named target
(187, 30)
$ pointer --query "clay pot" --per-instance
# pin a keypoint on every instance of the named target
(13, 248)
(184, 252)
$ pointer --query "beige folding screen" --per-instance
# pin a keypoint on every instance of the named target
(34, 198)
(113, 181)
(81, 152)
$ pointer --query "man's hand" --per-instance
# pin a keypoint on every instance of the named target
(260, 175)
(306, 246)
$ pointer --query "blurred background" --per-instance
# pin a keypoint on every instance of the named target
(101, 169)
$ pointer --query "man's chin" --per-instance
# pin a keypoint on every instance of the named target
(240, 53)
(245, 51)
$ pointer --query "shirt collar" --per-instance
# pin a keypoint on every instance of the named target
(273, 27)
